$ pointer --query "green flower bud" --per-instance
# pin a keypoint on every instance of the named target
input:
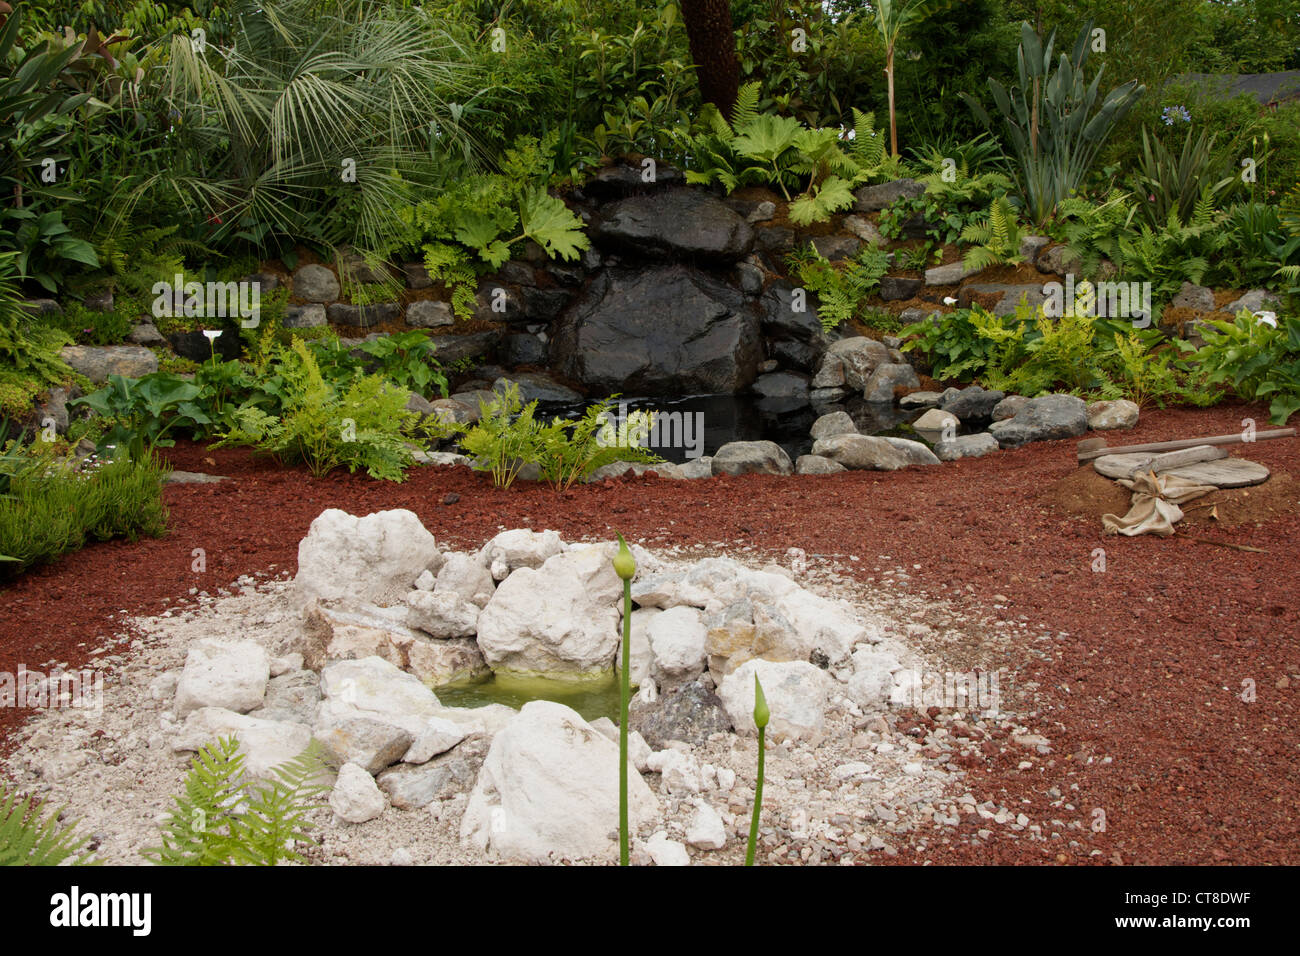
(761, 713)
(624, 563)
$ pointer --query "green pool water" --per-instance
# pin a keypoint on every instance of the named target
(592, 698)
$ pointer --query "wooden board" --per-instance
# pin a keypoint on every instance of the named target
(1095, 451)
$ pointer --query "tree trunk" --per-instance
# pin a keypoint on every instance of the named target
(713, 48)
(893, 125)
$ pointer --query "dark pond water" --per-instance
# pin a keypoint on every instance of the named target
(701, 424)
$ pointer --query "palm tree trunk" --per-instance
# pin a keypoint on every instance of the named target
(713, 48)
(893, 125)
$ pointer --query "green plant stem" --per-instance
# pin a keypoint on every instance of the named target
(758, 799)
(625, 695)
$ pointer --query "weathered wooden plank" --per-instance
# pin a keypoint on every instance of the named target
(1094, 451)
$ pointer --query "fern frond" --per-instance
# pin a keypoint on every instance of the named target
(746, 109)
(30, 837)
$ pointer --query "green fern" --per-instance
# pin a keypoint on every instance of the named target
(745, 110)
(224, 818)
(997, 237)
(820, 202)
(28, 837)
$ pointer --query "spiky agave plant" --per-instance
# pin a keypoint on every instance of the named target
(625, 568)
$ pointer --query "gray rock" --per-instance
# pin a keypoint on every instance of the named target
(616, 469)
(97, 363)
(950, 274)
(429, 314)
(411, 786)
(370, 744)
(887, 379)
(833, 423)
(914, 451)
(701, 467)
(971, 404)
(751, 457)
(1009, 407)
(523, 348)
(35, 307)
(1057, 261)
(362, 316)
(291, 697)
(146, 333)
(836, 247)
(875, 198)
(674, 223)
(1012, 296)
(782, 385)
(816, 465)
(1045, 418)
(664, 330)
(750, 277)
(354, 267)
(476, 345)
(417, 276)
(914, 315)
(781, 319)
(864, 229)
(519, 273)
(1193, 296)
(820, 397)
(544, 305)
(919, 400)
(498, 301)
(304, 316)
(861, 452)
(267, 282)
(55, 407)
(850, 363)
(539, 386)
(966, 446)
(898, 287)
(315, 283)
(453, 411)
(1031, 246)
(1253, 301)
(690, 714)
(1106, 416)
(777, 239)
(932, 424)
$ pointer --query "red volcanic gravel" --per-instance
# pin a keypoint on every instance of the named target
(1139, 687)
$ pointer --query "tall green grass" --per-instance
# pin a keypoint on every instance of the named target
(49, 509)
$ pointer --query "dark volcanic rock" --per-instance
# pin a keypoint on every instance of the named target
(659, 331)
(676, 223)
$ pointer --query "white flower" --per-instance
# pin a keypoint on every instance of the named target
(1267, 318)
(949, 300)
(211, 333)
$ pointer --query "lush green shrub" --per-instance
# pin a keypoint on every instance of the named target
(1055, 120)
(141, 411)
(571, 450)
(757, 148)
(1030, 354)
(51, 508)
(361, 424)
(1256, 360)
